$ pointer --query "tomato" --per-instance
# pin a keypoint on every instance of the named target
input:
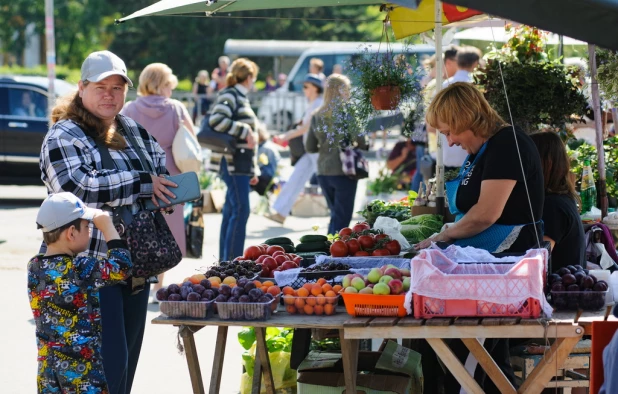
(253, 252)
(345, 231)
(353, 246)
(339, 249)
(393, 247)
(273, 248)
(361, 253)
(366, 241)
(262, 248)
(360, 227)
(344, 237)
(381, 252)
(382, 236)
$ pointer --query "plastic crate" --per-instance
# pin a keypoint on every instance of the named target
(374, 305)
(427, 307)
(328, 304)
(187, 309)
(245, 311)
(574, 300)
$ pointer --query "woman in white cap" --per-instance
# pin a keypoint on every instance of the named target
(71, 161)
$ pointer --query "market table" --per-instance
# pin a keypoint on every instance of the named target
(187, 327)
(564, 331)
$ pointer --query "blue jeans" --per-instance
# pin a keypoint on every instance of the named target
(340, 193)
(418, 176)
(235, 214)
(123, 319)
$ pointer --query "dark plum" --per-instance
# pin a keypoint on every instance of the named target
(187, 283)
(244, 299)
(255, 294)
(208, 294)
(225, 290)
(587, 282)
(263, 299)
(563, 271)
(174, 297)
(237, 292)
(215, 290)
(553, 278)
(600, 286)
(578, 277)
(193, 296)
(242, 282)
(184, 292)
(593, 277)
(572, 287)
(233, 299)
(269, 296)
(572, 269)
(162, 294)
(569, 279)
(560, 303)
(206, 283)
(198, 288)
(173, 288)
(249, 286)
(579, 267)
(558, 286)
(587, 272)
(221, 298)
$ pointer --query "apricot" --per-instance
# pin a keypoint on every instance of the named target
(299, 303)
(288, 299)
(311, 300)
(257, 283)
(288, 290)
(214, 279)
(308, 286)
(337, 288)
(316, 289)
(331, 297)
(320, 299)
(318, 310)
(268, 283)
(326, 287)
(264, 289)
(302, 292)
(329, 309)
(274, 290)
(308, 309)
(229, 280)
(290, 309)
(197, 278)
(321, 281)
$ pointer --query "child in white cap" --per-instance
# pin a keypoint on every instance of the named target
(63, 289)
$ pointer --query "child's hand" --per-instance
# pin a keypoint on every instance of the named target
(102, 219)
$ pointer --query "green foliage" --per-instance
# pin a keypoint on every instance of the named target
(396, 210)
(68, 74)
(541, 93)
(386, 182)
(580, 151)
(607, 74)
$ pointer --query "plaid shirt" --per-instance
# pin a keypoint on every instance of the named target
(70, 162)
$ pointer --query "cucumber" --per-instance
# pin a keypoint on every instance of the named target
(279, 241)
(310, 255)
(313, 238)
(313, 247)
(288, 248)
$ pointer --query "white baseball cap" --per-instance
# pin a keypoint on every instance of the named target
(102, 64)
(60, 209)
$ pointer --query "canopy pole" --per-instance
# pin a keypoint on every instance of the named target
(598, 124)
(439, 71)
(50, 52)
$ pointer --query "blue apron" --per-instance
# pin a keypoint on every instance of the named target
(495, 239)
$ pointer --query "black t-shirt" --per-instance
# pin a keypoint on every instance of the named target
(563, 225)
(501, 161)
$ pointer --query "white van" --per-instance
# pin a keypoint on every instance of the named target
(282, 108)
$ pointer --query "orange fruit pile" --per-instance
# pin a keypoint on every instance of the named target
(318, 298)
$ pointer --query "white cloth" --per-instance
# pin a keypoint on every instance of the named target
(454, 156)
(305, 167)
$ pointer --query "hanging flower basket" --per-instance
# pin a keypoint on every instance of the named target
(386, 97)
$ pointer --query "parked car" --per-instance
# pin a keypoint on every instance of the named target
(282, 108)
(23, 124)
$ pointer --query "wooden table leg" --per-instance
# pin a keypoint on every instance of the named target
(547, 367)
(186, 332)
(489, 365)
(349, 355)
(454, 365)
(256, 383)
(217, 365)
(262, 355)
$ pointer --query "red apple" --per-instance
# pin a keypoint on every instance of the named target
(281, 259)
(270, 263)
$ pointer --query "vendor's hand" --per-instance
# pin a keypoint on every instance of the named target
(441, 237)
(252, 139)
(254, 181)
(160, 190)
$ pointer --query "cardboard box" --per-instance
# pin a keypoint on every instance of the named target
(218, 199)
(310, 205)
(396, 370)
(207, 204)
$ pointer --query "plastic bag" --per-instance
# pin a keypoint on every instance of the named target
(283, 376)
(392, 228)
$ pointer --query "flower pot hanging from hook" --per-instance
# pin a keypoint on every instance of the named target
(386, 97)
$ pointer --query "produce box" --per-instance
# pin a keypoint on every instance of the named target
(396, 370)
(245, 311)
(588, 300)
(375, 305)
(187, 309)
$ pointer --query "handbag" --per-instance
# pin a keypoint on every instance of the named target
(296, 145)
(195, 230)
(214, 140)
(186, 149)
(153, 247)
(353, 163)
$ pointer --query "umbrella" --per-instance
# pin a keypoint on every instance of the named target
(206, 7)
(499, 34)
(407, 22)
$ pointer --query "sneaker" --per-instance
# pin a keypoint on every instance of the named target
(275, 217)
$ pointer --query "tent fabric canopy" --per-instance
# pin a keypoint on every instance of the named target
(499, 34)
(179, 7)
(593, 21)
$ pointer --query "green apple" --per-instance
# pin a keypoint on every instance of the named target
(374, 275)
(350, 289)
(406, 283)
(358, 283)
(385, 279)
(381, 289)
(347, 280)
(366, 290)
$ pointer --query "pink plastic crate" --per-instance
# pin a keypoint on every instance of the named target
(506, 281)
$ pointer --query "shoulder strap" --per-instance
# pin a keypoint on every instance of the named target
(136, 146)
(106, 159)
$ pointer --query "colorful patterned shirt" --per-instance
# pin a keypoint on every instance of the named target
(64, 294)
